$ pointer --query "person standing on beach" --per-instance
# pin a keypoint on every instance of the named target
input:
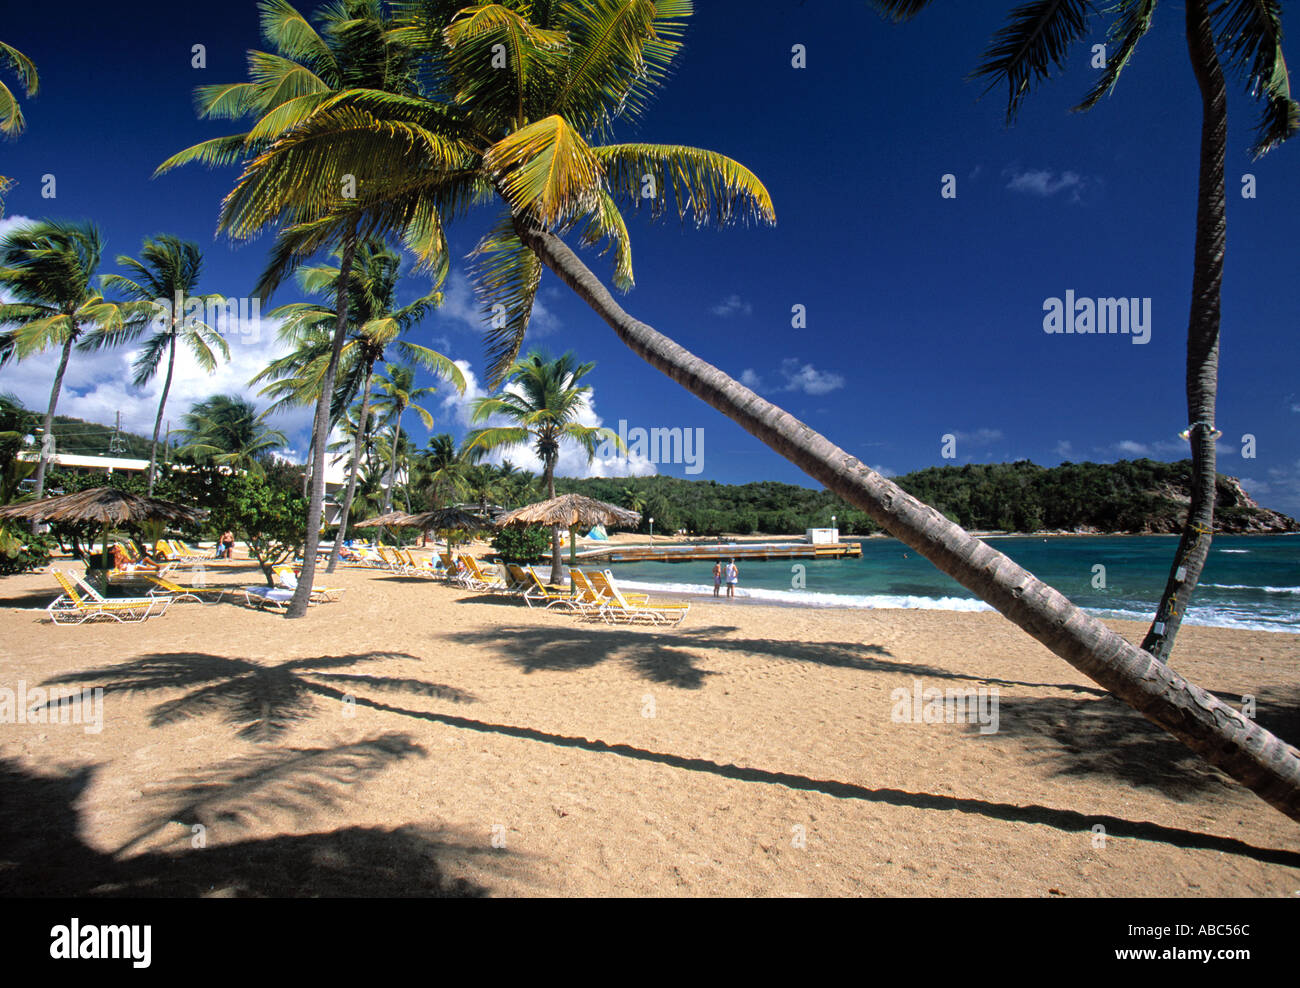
(733, 577)
(717, 578)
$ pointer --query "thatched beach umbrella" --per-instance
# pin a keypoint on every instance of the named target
(444, 518)
(392, 519)
(104, 506)
(569, 511)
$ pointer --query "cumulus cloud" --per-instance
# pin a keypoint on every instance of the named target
(883, 470)
(980, 437)
(1046, 183)
(807, 378)
(751, 380)
(461, 309)
(732, 305)
(573, 459)
(98, 385)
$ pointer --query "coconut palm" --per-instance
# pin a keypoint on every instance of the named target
(228, 430)
(1246, 35)
(522, 135)
(11, 114)
(378, 322)
(48, 268)
(353, 49)
(397, 395)
(167, 274)
(543, 398)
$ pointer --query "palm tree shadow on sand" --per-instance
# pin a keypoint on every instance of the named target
(1104, 737)
(666, 656)
(42, 852)
(261, 700)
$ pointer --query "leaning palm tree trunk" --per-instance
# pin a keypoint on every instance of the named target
(1251, 755)
(1202, 336)
(47, 440)
(352, 473)
(320, 433)
(392, 464)
(162, 404)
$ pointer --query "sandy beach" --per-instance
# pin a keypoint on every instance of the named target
(416, 739)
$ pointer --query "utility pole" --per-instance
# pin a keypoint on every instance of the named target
(116, 445)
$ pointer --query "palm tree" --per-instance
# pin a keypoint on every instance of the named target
(521, 135)
(49, 267)
(11, 114)
(167, 273)
(229, 431)
(353, 49)
(543, 398)
(397, 394)
(1249, 36)
(378, 322)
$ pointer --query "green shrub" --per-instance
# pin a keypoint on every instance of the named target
(20, 552)
(523, 545)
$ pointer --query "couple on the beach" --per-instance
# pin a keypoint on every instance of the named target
(731, 573)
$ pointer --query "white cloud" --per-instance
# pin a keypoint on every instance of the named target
(573, 459)
(1064, 449)
(883, 471)
(1133, 448)
(1045, 184)
(808, 379)
(751, 380)
(980, 437)
(730, 306)
(98, 385)
(461, 308)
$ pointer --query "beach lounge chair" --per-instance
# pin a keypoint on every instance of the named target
(419, 565)
(262, 597)
(601, 588)
(164, 587)
(287, 579)
(621, 608)
(539, 591)
(81, 602)
(481, 579)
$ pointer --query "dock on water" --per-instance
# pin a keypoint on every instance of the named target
(722, 550)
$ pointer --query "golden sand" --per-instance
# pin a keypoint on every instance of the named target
(417, 739)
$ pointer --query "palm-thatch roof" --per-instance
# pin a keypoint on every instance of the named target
(103, 506)
(392, 519)
(442, 519)
(570, 511)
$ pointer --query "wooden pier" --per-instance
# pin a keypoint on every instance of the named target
(724, 551)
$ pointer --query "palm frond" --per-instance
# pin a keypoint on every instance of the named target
(1250, 36)
(1037, 36)
(714, 189)
(505, 274)
(1130, 26)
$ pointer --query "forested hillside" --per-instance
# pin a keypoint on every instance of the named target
(1129, 496)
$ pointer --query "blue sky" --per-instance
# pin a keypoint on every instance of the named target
(924, 314)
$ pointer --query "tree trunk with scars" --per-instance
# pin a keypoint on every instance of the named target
(1202, 336)
(392, 464)
(47, 434)
(162, 404)
(1253, 756)
(320, 432)
(557, 558)
(352, 474)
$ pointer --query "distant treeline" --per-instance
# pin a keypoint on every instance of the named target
(78, 438)
(1129, 496)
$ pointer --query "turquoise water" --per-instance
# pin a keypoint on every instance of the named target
(1248, 582)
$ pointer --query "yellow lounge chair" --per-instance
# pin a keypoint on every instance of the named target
(482, 580)
(80, 602)
(540, 591)
(287, 579)
(620, 608)
(178, 592)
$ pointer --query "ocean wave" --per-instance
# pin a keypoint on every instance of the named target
(806, 598)
(1247, 586)
(1240, 552)
(1205, 616)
